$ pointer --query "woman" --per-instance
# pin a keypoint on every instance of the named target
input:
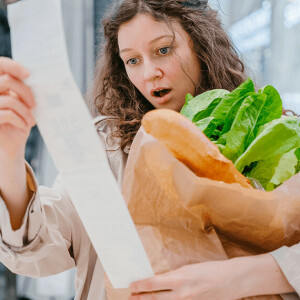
(155, 52)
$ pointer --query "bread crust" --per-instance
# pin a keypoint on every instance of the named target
(190, 146)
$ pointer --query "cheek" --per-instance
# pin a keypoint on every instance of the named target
(193, 68)
(134, 77)
(174, 68)
(180, 74)
(189, 60)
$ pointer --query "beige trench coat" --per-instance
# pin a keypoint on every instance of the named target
(52, 238)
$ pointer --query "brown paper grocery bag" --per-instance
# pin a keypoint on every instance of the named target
(184, 219)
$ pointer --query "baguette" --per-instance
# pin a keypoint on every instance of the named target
(188, 144)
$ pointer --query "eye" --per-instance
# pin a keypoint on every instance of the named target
(132, 61)
(164, 50)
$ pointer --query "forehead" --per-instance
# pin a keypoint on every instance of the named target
(143, 28)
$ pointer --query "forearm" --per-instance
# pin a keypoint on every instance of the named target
(258, 275)
(14, 189)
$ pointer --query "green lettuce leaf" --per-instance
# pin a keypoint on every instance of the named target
(284, 170)
(297, 153)
(207, 111)
(221, 112)
(243, 126)
(272, 108)
(193, 105)
(232, 113)
(274, 138)
(207, 126)
(274, 171)
(188, 97)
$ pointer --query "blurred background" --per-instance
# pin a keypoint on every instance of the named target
(266, 34)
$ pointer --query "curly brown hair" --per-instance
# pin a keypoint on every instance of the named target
(113, 92)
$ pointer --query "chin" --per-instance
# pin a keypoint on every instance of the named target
(172, 107)
(175, 107)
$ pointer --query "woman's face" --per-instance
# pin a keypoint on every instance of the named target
(159, 62)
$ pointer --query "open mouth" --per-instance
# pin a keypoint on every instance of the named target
(161, 93)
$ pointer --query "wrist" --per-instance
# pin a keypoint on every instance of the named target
(10, 163)
(12, 170)
(16, 190)
(242, 268)
(12, 157)
(235, 278)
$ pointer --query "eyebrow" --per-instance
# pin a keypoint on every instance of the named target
(151, 42)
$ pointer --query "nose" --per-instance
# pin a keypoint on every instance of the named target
(151, 71)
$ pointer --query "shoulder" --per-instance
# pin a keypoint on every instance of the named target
(117, 157)
(104, 122)
(105, 127)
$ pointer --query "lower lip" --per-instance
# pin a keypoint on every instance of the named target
(164, 99)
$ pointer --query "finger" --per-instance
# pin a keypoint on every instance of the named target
(9, 117)
(13, 68)
(8, 102)
(22, 90)
(155, 296)
(157, 283)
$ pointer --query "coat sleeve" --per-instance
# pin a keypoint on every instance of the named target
(288, 259)
(44, 244)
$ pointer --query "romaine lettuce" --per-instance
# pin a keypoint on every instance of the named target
(248, 128)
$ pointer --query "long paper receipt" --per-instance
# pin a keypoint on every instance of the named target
(66, 126)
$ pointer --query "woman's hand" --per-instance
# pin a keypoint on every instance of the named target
(208, 280)
(16, 103)
(234, 278)
(16, 120)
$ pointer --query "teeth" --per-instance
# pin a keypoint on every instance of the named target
(157, 93)
(161, 93)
